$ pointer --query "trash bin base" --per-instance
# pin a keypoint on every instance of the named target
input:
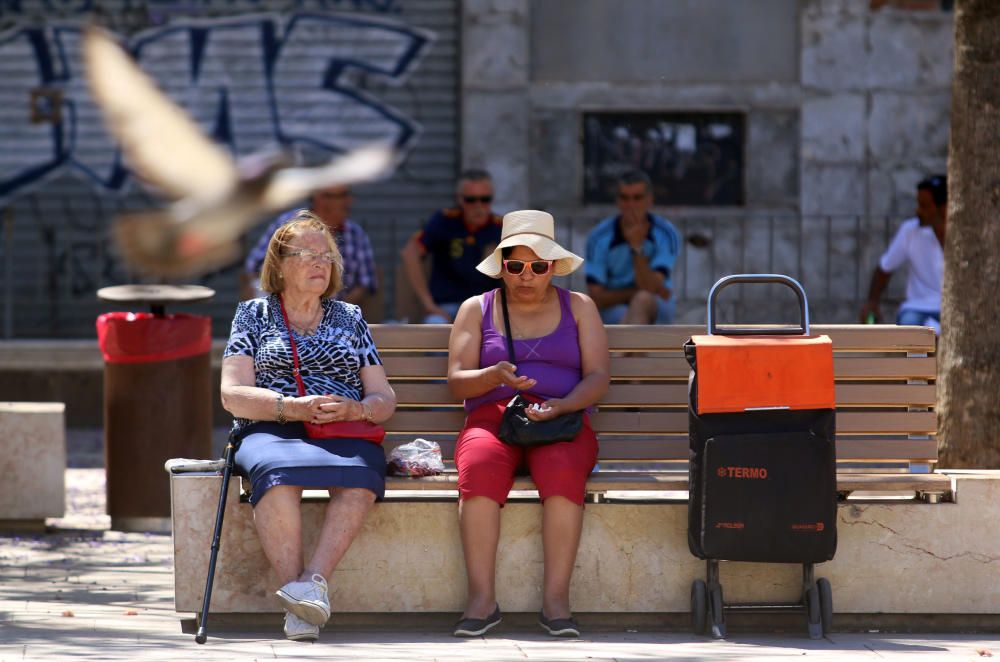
(153, 412)
(141, 524)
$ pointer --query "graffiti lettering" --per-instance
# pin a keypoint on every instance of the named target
(248, 81)
(20, 8)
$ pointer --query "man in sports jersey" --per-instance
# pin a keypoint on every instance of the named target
(456, 239)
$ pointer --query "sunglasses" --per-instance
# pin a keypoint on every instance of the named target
(538, 267)
(635, 197)
(472, 199)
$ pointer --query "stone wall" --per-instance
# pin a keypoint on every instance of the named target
(847, 108)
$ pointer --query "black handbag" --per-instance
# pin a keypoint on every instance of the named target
(516, 428)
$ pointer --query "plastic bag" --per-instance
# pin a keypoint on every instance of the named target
(417, 458)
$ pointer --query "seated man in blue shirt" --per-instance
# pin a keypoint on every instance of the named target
(333, 206)
(456, 239)
(630, 258)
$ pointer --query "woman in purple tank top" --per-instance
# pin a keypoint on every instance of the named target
(561, 353)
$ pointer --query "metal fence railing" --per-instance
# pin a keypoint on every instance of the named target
(55, 254)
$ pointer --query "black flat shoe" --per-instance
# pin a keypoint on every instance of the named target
(559, 627)
(474, 627)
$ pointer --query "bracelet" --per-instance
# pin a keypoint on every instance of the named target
(279, 405)
(366, 413)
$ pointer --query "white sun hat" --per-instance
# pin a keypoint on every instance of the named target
(536, 230)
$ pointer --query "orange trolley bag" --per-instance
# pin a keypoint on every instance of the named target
(762, 473)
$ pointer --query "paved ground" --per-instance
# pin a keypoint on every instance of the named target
(83, 592)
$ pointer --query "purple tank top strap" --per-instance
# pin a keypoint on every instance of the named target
(565, 308)
(487, 305)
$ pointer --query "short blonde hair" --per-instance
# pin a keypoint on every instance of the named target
(302, 222)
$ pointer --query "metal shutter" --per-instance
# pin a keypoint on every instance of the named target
(55, 213)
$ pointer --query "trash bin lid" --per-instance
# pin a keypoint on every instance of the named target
(155, 294)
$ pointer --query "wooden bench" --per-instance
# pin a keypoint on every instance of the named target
(633, 556)
(885, 408)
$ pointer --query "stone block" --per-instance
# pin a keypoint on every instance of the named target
(893, 189)
(909, 126)
(834, 51)
(495, 136)
(842, 7)
(771, 163)
(833, 189)
(556, 159)
(911, 50)
(33, 462)
(656, 42)
(495, 49)
(833, 128)
(896, 558)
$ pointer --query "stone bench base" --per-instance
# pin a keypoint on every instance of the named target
(896, 558)
(33, 463)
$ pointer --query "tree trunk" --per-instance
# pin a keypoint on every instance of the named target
(969, 357)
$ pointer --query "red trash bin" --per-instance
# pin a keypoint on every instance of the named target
(157, 405)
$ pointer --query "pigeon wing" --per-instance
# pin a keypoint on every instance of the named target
(289, 185)
(160, 141)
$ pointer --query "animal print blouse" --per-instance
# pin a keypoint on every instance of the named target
(329, 360)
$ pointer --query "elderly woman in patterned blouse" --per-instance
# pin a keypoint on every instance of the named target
(344, 381)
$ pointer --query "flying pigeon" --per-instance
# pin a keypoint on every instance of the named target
(215, 199)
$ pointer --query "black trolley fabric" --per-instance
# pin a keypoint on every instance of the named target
(762, 472)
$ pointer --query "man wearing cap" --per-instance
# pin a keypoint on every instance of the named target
(918, 244)
(456, 239)
(630, 258)
(333, 206)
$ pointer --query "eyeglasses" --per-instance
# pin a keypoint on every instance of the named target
(307, 255)
(472, 199)
(635, 197)
(538, 267)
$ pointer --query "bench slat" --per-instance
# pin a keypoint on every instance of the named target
(412, 394)
(671, 422)
(848, 482)
(599, 482)
(423, 337)
(675, 449)
(676, 368)
(675, 481)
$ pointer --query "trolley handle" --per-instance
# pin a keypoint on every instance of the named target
(726, 281)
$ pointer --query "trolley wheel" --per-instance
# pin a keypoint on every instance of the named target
(812, 611)
(699, 606)
(825, 604)
(718, 612)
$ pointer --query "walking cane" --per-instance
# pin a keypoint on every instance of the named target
(227, 472)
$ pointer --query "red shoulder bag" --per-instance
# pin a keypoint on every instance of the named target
(334, 429)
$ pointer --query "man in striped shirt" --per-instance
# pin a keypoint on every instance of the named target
(333, 205)
(630, 258)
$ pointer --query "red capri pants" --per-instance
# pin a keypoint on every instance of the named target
(486, 465)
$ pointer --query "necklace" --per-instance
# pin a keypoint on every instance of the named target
(310, 327)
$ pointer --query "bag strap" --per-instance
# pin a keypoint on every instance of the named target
(506, 323)
(291, 341)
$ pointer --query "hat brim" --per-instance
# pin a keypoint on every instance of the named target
(545, 248)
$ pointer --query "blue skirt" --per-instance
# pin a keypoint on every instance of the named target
(268, 460)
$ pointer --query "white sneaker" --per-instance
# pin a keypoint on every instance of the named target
(307, 600)
(298, 630)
